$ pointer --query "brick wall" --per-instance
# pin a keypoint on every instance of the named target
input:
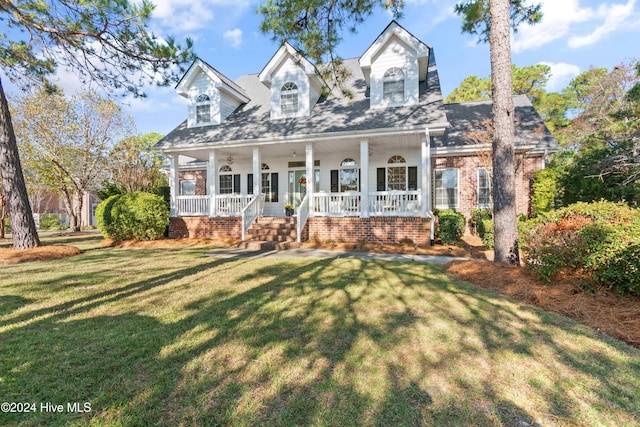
(378, 229)
(200, 177)
(204, 226)
(468, 167)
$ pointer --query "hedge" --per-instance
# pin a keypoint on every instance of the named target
(136, 215)
(450, 226)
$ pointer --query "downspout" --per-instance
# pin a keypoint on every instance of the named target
(426, 182)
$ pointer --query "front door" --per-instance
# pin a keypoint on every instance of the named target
(298, 186)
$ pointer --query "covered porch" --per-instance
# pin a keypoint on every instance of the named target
(368, 177)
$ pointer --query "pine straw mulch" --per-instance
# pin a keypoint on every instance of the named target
(603, 310)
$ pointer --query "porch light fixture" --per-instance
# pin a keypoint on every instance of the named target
(293, 154)
(229, 159)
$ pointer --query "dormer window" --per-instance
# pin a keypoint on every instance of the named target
(289, 98)
(203, 108)
(393, 86)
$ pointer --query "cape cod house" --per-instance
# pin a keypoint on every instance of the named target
(372, 165)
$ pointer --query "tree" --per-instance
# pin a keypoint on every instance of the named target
(133, 166)
(103, 41)
(491, 21)
(529, 80)
(3, 212)
(67, 142)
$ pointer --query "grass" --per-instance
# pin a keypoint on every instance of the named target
(174, 337)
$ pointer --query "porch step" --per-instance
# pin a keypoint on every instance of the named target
(271, 233)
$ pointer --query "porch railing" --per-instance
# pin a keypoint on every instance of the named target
(193, 205)
(303, 215)
(231, 204)
(250, 212)
(394, 203)
(342, 204)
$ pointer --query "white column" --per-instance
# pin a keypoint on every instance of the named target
(257, 172)
(426, 174)
(364, 179)
(212, 182)
(174, 183)
(310, 175)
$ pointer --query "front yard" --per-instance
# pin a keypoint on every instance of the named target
(170, 336)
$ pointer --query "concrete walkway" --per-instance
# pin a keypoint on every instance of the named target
(319, 253)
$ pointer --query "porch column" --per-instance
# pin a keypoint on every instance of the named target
(257, 172)
(425, 206)
(364, 179)
(174, 183)
(212, 182)
(311, 178)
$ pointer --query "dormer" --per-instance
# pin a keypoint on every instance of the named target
(393, 67)
(212, 96)
(294, 85)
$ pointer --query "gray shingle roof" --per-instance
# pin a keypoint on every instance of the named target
(469, 115)
(252, 121)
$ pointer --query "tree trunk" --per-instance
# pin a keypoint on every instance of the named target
(3, 214)
(22, 224)
(503, 182)
(75, 213)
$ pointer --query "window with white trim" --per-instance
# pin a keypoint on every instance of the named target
(269, 184)
(393, 86)
(349, 175)
(397, 174)
(203, 108)
(484, 188)
(226, 179)
(187, 187)
(289, 98)
(447, 188)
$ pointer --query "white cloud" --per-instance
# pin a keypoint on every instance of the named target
(615, 15)
(234, 37)
(564, 18)
(182, 16)
(561, 75)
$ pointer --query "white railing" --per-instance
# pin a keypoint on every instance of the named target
(231, 204)
(193, 205)
(394, 203)
(342, 204)
(250, 212)
(303, 215)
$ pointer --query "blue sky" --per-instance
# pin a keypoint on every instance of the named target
(573, 36)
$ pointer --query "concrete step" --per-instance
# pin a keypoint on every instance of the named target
(257, 245)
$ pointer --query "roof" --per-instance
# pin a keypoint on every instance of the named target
(334, 114)
(464, 116)
(199, 63)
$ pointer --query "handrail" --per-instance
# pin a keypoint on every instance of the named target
(250, 212)
(303, 215)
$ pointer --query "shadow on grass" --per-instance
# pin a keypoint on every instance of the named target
(313, 342)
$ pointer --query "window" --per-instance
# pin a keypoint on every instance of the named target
(289, 98)
(393, 86)
(203, 109)
(226, 180)
(446, 186)
(484, 188)
(187, 187)
(397, 175)
(269, 184)
(348, 175)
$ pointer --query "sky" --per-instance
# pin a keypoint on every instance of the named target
(573, 36)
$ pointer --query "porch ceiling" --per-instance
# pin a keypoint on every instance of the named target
(245, 152)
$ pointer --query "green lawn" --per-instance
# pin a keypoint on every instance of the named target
(173, 337)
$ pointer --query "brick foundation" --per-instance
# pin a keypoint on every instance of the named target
(377, 229)
(204, 226)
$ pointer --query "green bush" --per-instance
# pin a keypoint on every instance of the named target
(477, 216)
(50, 221)
(139, 215)
(543, 192)
(450, 226)
(103, 215)
(485, 231)
(601, 238)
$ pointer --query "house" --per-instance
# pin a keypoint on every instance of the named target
(372, 165)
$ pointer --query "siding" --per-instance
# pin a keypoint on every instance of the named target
(289, 71)
(395, 54)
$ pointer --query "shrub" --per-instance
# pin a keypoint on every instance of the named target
(139, 215)
(103, 215)
(601, 238)
(450, 226)
(50, 221)
(544, 192)
(486, 232)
